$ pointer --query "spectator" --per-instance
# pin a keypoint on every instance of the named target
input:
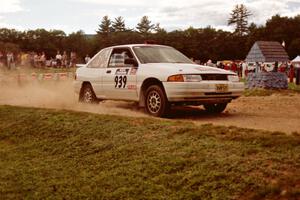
(244, 68)
(87, 58)
(53, 62)
(58, 58)
(220, 65)
(234, 67)
(31, 59)
(36, 60)
(1, 59)
(23, 59)
(292, 73)
(43, 59)
(210, 63)
(275, 69)
(64, 59)
(282, 68)
(10, 60)
(227, 66)
(72, 59)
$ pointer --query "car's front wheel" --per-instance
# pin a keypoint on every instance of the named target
(156, 101)
(87, 94)
(215, 108)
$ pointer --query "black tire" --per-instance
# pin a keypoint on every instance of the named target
(87, 94)
(215, 108)
(156, 102)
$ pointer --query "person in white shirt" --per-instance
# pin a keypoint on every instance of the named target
(58, 59)
(87, 58)
(10, 59)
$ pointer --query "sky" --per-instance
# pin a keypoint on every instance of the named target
(73, 15)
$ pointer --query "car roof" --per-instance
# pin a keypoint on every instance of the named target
(137, 45)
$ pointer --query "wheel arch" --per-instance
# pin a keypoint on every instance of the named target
(147, 83)
(83, 84)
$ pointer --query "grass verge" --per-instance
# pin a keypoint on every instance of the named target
(292, 89)
(70, 155)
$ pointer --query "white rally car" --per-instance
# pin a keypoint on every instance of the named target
(157, 77)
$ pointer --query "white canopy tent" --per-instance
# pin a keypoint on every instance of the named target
(296, 61)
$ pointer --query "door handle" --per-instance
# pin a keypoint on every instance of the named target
(108, 71)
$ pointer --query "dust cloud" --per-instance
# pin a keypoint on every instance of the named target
(59, 95)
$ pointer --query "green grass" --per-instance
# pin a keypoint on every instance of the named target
(292, 89)
(50, 154)
(259, 92)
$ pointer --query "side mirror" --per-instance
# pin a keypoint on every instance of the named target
(130, 61)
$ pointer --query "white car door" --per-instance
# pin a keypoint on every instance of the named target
(119, 79)
(96, 68)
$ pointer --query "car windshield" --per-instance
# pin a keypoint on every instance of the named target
(159, 54)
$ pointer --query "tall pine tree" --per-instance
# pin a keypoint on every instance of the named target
(119, 24)
(239, 17)
(105, 27)
(145, 26)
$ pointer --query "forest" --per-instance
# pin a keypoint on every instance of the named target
(197, 43)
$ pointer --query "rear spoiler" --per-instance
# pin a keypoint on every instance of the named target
(80, 65)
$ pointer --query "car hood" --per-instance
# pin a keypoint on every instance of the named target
(181, 68)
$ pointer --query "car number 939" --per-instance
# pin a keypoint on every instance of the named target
(120, 81)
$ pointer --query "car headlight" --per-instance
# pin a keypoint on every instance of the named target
(184, 78)
(176, 78)
(192, 78)
(233, 78)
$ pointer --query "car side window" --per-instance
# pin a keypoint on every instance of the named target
(118, 56)
(100, 60)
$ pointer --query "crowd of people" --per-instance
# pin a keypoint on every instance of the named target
(64, 60)
(242, 68)
(11, 60)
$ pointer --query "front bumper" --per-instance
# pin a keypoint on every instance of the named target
(203, 92)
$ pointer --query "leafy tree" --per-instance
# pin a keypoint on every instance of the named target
(119, 24)
(9, 35)
(198, 43)
(9, 47)
(294, 48)
(78, 39)
(239, 17)
(105, 27)
(145, 26)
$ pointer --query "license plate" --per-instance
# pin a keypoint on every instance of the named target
(221, 87)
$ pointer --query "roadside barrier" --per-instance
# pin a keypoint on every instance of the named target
(23, 77)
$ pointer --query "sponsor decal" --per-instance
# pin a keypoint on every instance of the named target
(133, 71)
(131, 87)
(63, 76)
(48, 76)
(122, 71)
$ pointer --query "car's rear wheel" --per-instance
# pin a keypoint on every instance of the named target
(156, 101)
(87, 94)
(215, 108)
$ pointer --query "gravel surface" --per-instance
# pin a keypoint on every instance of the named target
(275, 113)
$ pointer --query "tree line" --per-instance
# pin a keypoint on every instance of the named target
(197, 43)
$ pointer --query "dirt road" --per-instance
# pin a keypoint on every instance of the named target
(275, 113)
